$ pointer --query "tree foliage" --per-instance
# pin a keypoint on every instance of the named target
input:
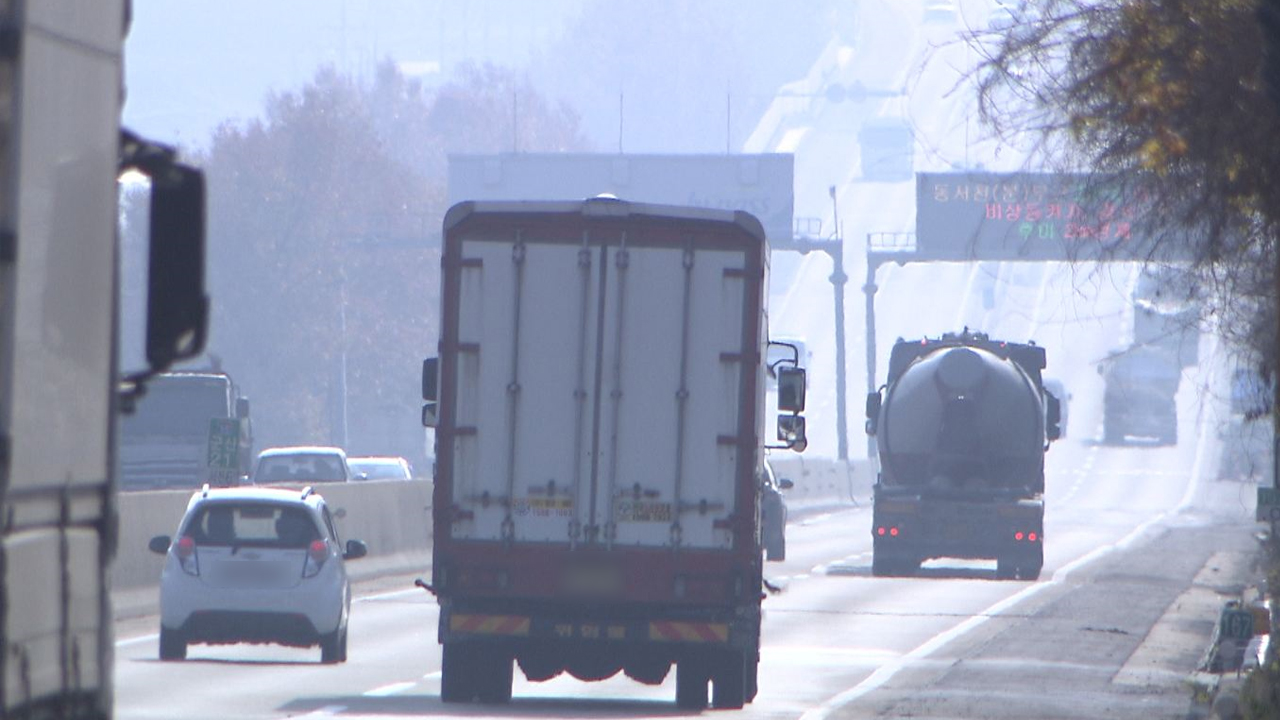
(1164, 98)
(323, 248)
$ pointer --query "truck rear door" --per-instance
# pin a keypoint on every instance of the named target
(602, 376)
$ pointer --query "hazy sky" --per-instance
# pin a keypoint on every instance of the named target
(190, 66)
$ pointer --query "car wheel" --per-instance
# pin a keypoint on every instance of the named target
(333, 647)
(173, 646)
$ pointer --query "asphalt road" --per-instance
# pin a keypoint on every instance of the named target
(1139, 541)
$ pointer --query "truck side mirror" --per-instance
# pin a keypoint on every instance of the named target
(791, 389)
(429, 417)
(1053, 417)
(242, 408)
(430, 387)
(873, 412)
(177, 306)
(791, 430)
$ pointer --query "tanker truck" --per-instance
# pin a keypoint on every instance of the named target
(961, 430)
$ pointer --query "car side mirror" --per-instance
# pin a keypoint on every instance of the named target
(791, 389)
(355, 550)
(785, 484)
(1053, 417)
(159, 544)
(873, 412)
(791, 430)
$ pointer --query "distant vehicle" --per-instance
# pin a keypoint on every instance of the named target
(255, 565)
(773, 514)
(1140, 399)
(303, 464)
(379, 468)
(887, 147)
(190, 428)
(962, 429)
(1059, 391)
(940, 12)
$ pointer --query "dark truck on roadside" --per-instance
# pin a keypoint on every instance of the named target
(961, 426)
(188, 428)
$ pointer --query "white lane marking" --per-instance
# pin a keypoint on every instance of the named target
(886, 672)
(137, 640)
(1086, 468)
(391, 689)
(791, 140)
(391, 594)
(326, 711)
(433, 675)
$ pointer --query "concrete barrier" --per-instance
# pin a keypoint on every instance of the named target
(824, 481)
(392, 518)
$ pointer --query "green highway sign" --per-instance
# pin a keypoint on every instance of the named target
(223, 457)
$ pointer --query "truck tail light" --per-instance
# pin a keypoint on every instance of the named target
(186, 552)
(891, 531)
(317, 553)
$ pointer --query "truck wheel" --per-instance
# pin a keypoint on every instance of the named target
(1111, 435)
(1029, 572)
(691, 684)
(495, 671)
(753, 678)
(1005, 569)
(457, 674)
(880, 565)
(172, 645)
(777, 550)
(729, 686)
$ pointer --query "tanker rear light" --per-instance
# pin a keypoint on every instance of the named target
(890, 530)
(1033, 536)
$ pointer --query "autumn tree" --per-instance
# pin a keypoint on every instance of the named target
(1161, 98)
(323, 247)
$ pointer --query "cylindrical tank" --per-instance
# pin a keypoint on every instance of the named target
(960, 418)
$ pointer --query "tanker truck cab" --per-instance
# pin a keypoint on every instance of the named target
(961, 428)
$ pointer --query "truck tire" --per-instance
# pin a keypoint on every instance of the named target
(495, 672)
(1029, 572)
(753, 677)
(457, 673)
(1006, 569)
(1111, 434)
(880, 565)
(173, 646)
(729, 684)
(776, 550)
(691, 683)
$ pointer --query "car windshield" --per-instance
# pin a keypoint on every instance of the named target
(379, 470)
(300, 467)
(254, 524)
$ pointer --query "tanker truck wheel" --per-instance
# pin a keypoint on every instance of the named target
(1005, 569)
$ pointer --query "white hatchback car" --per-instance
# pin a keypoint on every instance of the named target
(380, 468)
(301, 465)
(256, 565)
